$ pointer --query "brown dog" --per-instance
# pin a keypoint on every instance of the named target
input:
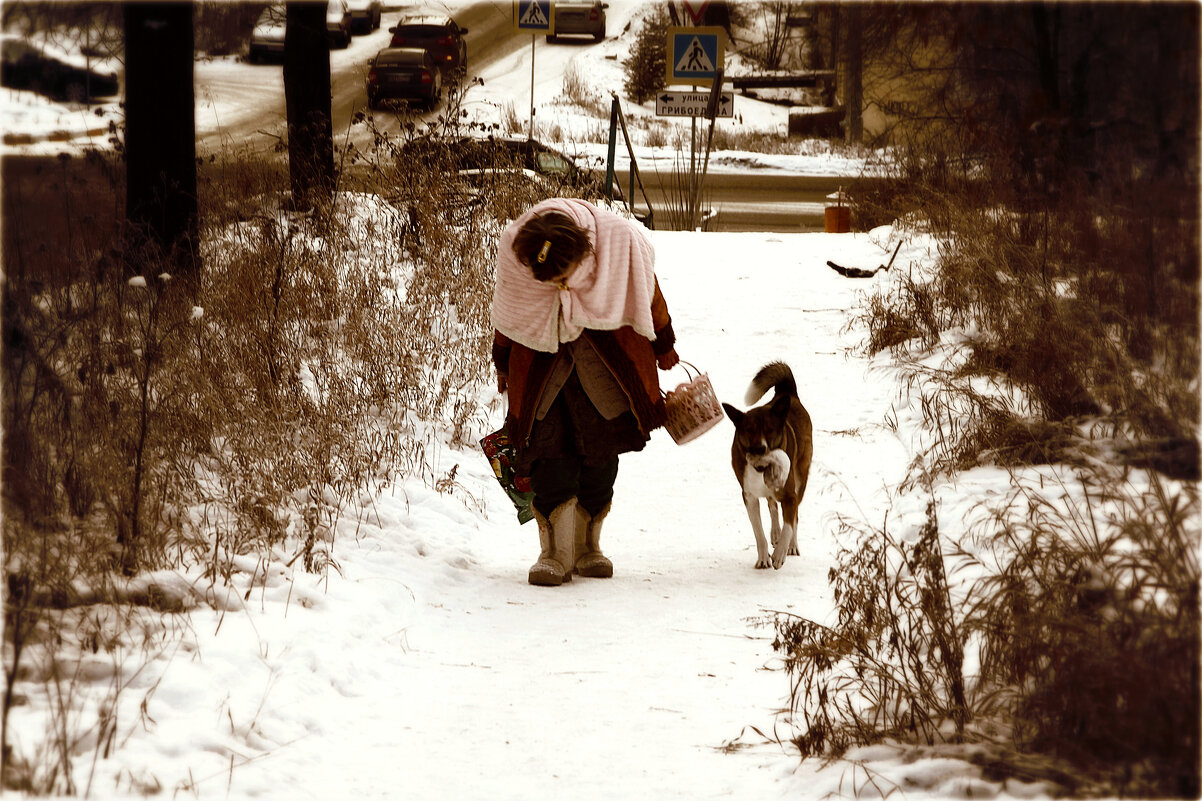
(771, 456)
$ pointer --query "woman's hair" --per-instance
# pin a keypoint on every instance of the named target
(550, 243)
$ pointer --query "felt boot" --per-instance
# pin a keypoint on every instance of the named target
(590, 562)
(557, 537)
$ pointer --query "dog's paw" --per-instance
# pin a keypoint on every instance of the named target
(762, 563)
(794, 551)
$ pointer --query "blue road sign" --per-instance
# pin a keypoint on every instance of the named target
(533, 16)
(694, 55)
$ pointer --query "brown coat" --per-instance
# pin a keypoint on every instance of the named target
(629, 356)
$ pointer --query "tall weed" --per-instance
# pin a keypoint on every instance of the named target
(892, 666)
(1090, 627)
(1086, 302)
(147, 431)
(1077, 605)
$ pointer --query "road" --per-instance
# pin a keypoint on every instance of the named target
(241, 105)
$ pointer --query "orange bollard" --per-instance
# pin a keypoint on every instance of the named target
(837, 218)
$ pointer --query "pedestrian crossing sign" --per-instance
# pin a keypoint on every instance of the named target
(694, 55)
(533, 16)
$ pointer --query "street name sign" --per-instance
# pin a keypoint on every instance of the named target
(695, 55)
(693, 104)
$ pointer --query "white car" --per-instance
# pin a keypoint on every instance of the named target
(338, 23)
(580, 19)
(267, 39)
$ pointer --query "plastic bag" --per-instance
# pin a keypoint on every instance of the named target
(502, 456)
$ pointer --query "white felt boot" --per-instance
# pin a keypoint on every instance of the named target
(590, 562)
(557, 536)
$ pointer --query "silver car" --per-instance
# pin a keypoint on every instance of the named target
(585, 19)
(267, 39)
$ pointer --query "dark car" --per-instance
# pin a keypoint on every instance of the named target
(365, 15)
(60, 76)
(533, 155)
(438, 34)
(474, 158)
(404, 73)
(586, 19)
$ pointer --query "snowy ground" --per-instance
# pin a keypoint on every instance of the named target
(427, 667)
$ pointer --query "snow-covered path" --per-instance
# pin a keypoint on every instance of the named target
(427, 667)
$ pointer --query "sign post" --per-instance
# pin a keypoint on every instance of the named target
(696, 58)
(536, 17)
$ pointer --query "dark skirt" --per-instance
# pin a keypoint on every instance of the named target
(573, 428)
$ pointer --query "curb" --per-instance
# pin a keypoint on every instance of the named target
(52, 136)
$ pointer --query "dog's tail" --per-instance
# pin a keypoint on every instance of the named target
(772, 375)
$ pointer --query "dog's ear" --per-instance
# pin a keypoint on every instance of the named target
(734, 414)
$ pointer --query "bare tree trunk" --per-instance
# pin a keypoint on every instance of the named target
(307, 97)
(160, 132)
(853, 74)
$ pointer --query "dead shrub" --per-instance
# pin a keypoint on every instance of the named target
(324, 356)
(1090, 628)
(1079, 603)
(892, 666)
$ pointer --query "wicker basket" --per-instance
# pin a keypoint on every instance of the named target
(692, 408)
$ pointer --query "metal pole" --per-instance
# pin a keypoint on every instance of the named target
(612, 154)
(694, 189)
(532, 38)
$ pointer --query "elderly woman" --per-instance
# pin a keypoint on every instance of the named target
(581, 326)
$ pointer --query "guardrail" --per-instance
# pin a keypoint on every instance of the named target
(794, 80)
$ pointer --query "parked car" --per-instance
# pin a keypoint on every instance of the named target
(365, 15)
(267, 38)
(503, 174)
(338, 23)
(404, 73)
(587, 18)
(55, 74)
(438, 34)
(473, 157)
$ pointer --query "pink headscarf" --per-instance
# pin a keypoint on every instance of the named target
(612, 287)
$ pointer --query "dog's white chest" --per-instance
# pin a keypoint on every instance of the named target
(754, 484)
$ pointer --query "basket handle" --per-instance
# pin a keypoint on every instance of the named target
(690, 370)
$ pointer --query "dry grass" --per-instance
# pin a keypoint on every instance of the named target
(1078, 601)
(1058, 325)
(145, 430)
